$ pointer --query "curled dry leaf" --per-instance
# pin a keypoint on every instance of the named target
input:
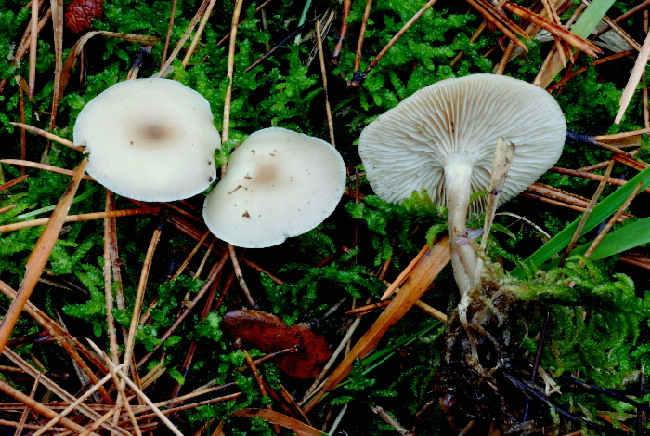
(268, 333)
(79, 14)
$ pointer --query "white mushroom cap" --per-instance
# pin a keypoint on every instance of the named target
(407, 148)
(149, 139)
(278, 184)
(443, 139)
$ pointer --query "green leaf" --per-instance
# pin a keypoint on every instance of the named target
(607, 207)
(590, 18)
(633, 235)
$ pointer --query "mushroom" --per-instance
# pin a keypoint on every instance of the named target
(442, 140)
(278, 184)
(149, 139)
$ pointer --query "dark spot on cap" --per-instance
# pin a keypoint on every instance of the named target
(211, 178)
(245, 215)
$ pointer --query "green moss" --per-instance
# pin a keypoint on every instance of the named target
(599, 324)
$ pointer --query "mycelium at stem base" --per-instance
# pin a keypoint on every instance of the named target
(458, 177)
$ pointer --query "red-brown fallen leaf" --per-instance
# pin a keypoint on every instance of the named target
(80, 13)
(268, 333)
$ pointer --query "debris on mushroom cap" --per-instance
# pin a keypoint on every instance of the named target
(406, 148)
(149, 139)
(278, 184)
(443, 140)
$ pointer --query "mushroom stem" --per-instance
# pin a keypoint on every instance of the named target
(458, 175)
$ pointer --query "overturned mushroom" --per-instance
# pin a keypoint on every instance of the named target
(278, 184)
(149, 139)
(442, 140)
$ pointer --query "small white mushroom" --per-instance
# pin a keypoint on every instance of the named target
(278, 184)
(149, 139)
(442, 140)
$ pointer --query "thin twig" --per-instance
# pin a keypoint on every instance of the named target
(249, 263)
(401, 278)
(81, 217)
(343, 30)
(69, 343)
(259, 381)
(32, 48)
(30, 164)
(189, 257)
(11, 183)
(610, 223)
(391, 421)
(440, 316)
(52, 422)
(317, 382)
(198, 33)
(323, 72)
(57, 24)
(26, 411)
(584, 175)
(109, 225)
(558, 31)
(234, 23)
(142, 285)
(358, 79)
(362, 34)
(141, 394)
(170, 29)
(240, 277)
(43, 379)
(497, 18)
(23, 133)
(587, 213)
(209, 284)
(184, 38)
(49, 135)
(40, 408)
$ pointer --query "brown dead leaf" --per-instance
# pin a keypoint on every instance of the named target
(268, 333)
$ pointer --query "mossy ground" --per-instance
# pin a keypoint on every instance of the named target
(599, 327)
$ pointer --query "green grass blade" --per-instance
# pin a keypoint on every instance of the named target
(603, 210)
(590, 18)
(630, 236)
